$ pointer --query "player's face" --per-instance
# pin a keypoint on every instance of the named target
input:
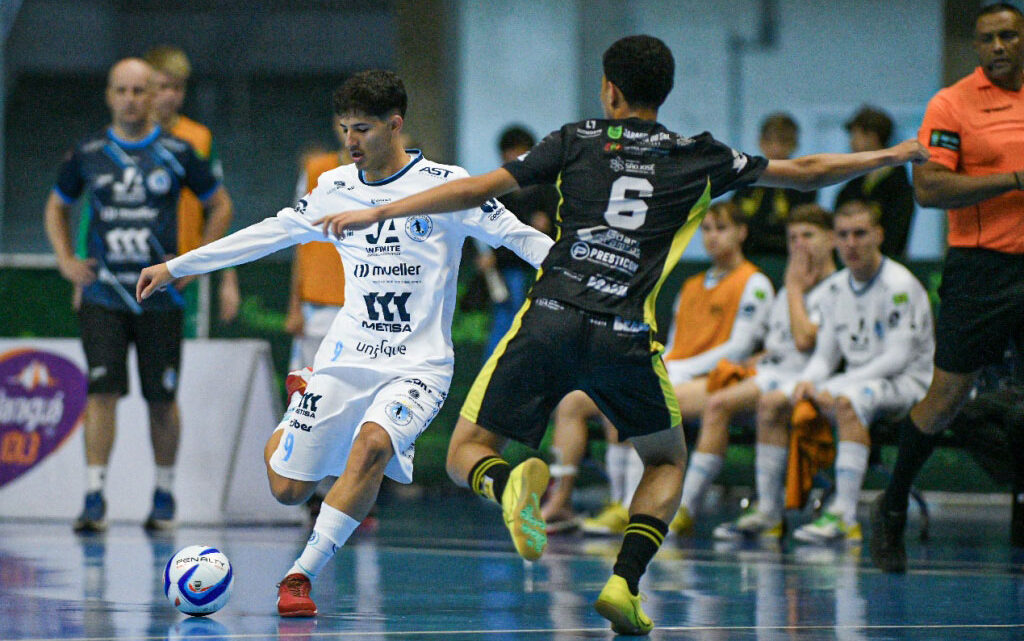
(168, 94)
(368, 139)
(776, 146)
(721, 236)
(859, 241)
(810, 239)
(863, 140)
(998, 43)
(129, 94)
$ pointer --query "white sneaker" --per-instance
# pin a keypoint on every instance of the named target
(829, 528)
(751, 524)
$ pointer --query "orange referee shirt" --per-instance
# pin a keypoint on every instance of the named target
(191, 220)
(321, 277)
(705, 317)
(976, 128)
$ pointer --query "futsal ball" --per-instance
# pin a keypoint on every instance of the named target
(198, 580)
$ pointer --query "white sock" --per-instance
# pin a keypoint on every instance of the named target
(95, 478)
(701, 472)
(615, 464)
(165, 478)
(851, 463)
(332, 529)
(770, 473)
(634, 472)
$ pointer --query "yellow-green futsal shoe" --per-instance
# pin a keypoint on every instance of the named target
(617, 604)
(520, 505)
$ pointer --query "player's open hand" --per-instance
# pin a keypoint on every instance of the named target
(912, 151)
(336, 224)
(79, 271)
(152, 279)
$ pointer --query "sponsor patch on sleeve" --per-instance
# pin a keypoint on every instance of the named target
(946, 139)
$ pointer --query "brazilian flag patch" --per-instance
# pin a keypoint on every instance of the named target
(900, 298)
(946, 139)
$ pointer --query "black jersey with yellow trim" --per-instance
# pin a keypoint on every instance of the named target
(632, 194)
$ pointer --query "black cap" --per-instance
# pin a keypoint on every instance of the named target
(872, 119)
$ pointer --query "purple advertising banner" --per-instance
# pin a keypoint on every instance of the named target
(42, 401)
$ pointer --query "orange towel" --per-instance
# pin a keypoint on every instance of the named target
(811, 448)
(727, 373)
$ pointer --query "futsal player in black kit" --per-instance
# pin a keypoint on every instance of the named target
(633, 193)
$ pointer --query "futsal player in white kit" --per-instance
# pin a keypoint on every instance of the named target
(878, 320)
(383, 370)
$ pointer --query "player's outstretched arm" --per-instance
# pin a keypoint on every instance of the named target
(152, 279)
(821, 170)
(456, 195)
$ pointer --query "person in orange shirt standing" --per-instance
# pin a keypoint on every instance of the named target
(318, 281)
(171, 71)
(974, 131)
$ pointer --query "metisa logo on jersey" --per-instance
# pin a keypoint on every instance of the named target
(387, 312)
(384, 240)
(384, 348)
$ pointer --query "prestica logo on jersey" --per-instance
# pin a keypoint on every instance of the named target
(364, 270)
(384, 348)
(583, 251)
(42, 397)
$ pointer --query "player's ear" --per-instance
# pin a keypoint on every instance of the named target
(395, 122)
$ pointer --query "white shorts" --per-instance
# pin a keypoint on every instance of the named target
(878, 398)
(320, 428)
(316, 322)
(770, 379)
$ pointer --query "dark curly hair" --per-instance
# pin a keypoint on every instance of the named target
(642, 68)
(375, 93)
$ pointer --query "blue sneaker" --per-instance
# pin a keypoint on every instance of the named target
(93, 516)
(161, 517)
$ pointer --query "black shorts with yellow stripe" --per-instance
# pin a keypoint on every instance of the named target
(552, 349)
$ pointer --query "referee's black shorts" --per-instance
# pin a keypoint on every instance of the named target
(157, 335)
(552, 349)
(981, 309)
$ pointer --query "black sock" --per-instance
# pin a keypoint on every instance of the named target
(644, 535)
(914, 449)
(488, 477)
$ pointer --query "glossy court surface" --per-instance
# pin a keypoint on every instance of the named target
(443, 569)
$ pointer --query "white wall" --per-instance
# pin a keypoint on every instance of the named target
(521, 61)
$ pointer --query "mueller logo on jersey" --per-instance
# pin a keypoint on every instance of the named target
(607, 286)
(583, 251)
(384, 348)
(439, 172)
(384, 240)
(364, 270)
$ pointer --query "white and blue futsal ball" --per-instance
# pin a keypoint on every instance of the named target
(198, 580)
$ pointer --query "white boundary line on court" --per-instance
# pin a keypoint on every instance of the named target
(354, 634)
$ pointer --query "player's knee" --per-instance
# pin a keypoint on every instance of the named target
(770, 407)
(289, 491)
(372, 448)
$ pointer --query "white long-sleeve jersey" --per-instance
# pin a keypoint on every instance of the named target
(882, 328)
(400, 275)
(781, 353)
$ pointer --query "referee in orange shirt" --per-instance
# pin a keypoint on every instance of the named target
(975, 133)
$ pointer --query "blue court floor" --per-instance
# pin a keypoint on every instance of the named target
(443, 569)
